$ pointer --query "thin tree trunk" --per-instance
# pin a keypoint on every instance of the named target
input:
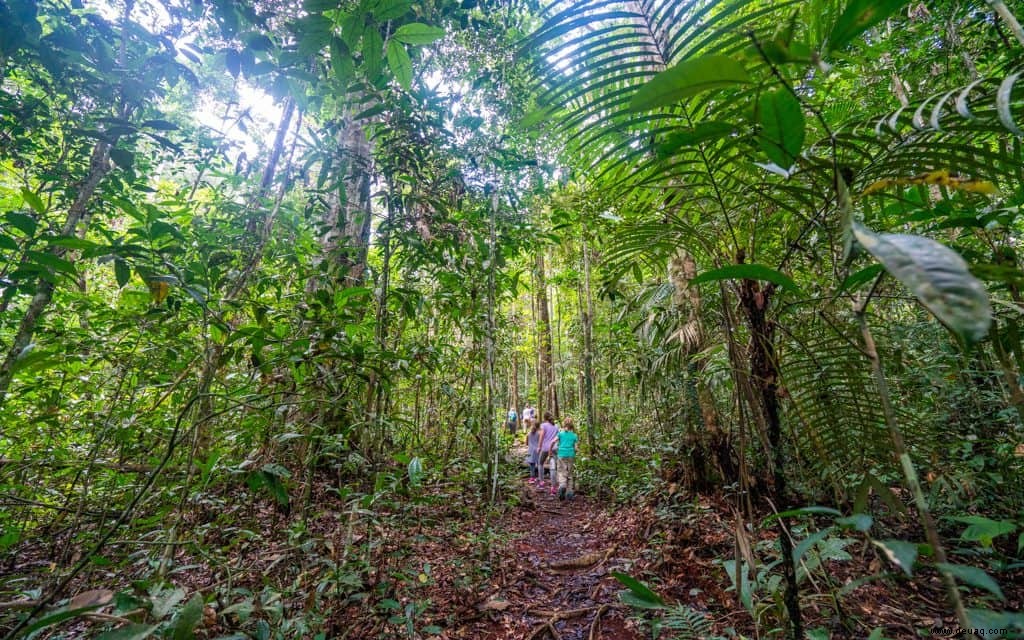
(765, 377)
(588, 352)
(99, 166)
(545, 368)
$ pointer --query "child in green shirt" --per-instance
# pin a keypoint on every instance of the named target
(567, 440)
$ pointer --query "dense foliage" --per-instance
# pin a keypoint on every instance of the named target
(305, 256)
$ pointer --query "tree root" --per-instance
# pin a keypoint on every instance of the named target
(555, 616)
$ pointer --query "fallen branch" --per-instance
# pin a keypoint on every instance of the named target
(595, 626)
(583, 561)
(556, 616)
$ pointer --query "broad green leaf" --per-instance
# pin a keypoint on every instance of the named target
(900, 552)
(639, 595)
(341, 61)
(984, 530)
(859, 521)
(987, 619)
(187, 619)
(782, 126)
(688, 78)
(936, 275)
(415, 470)
(8, 243)
(22, 222)
(122, 272)
(59, 265)
(122, 158)
(858, 17)
(391, 9)
(703, 132)
(166, 600)
(71, 242)
(373, 53)
(33, 200)
(748, 272)
(974, 577)
(130, 632)
(418, 33)
(400, 63)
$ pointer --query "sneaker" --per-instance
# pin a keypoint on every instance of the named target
(532, 481)
(561, 493)
(553, 490)
(570, 495)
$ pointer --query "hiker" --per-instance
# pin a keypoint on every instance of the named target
(548, 437)
(533, 451)
(529, 416)
(513, 420)
(567, 440)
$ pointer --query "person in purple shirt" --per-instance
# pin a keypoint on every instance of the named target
(548, 437)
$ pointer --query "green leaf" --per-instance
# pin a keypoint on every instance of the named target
(639, 595)
(973, 576)
(418, 33)
(33, 200)
(8, 243)
(122, 272)
(188, 618)
(159, 125)
(122, 158)
(373, 53)
(900, 552)
(415, 471)
(936, 275)
(984, 530)
(59, 265)
(688, 78)
(859, 521)
(858, 17)
(166, 600)
(863, 276)
(130, 632)
(400, 64)
(59, 615)
(808, 542)
(703, 132)
(749, 272)
(22, 222)
(987, 619)
(391, 9)
(782, 126)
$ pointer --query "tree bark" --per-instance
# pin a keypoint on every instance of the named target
(99, 166)
(548, 397)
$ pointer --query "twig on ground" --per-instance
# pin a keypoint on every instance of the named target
(595, 626)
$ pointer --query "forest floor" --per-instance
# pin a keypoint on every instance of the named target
(440, 562)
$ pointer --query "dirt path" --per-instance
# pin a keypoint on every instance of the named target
(556, 580)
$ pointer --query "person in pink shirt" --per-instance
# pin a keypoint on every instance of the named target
(548, 437)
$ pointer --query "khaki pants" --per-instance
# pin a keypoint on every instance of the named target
(565, 479)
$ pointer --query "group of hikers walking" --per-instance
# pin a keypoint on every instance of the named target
(550, 448)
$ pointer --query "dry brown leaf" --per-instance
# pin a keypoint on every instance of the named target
(93, 598)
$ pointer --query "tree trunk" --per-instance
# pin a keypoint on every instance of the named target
(547, 396)
(764, 374)
(587, 321)
(99, 166)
